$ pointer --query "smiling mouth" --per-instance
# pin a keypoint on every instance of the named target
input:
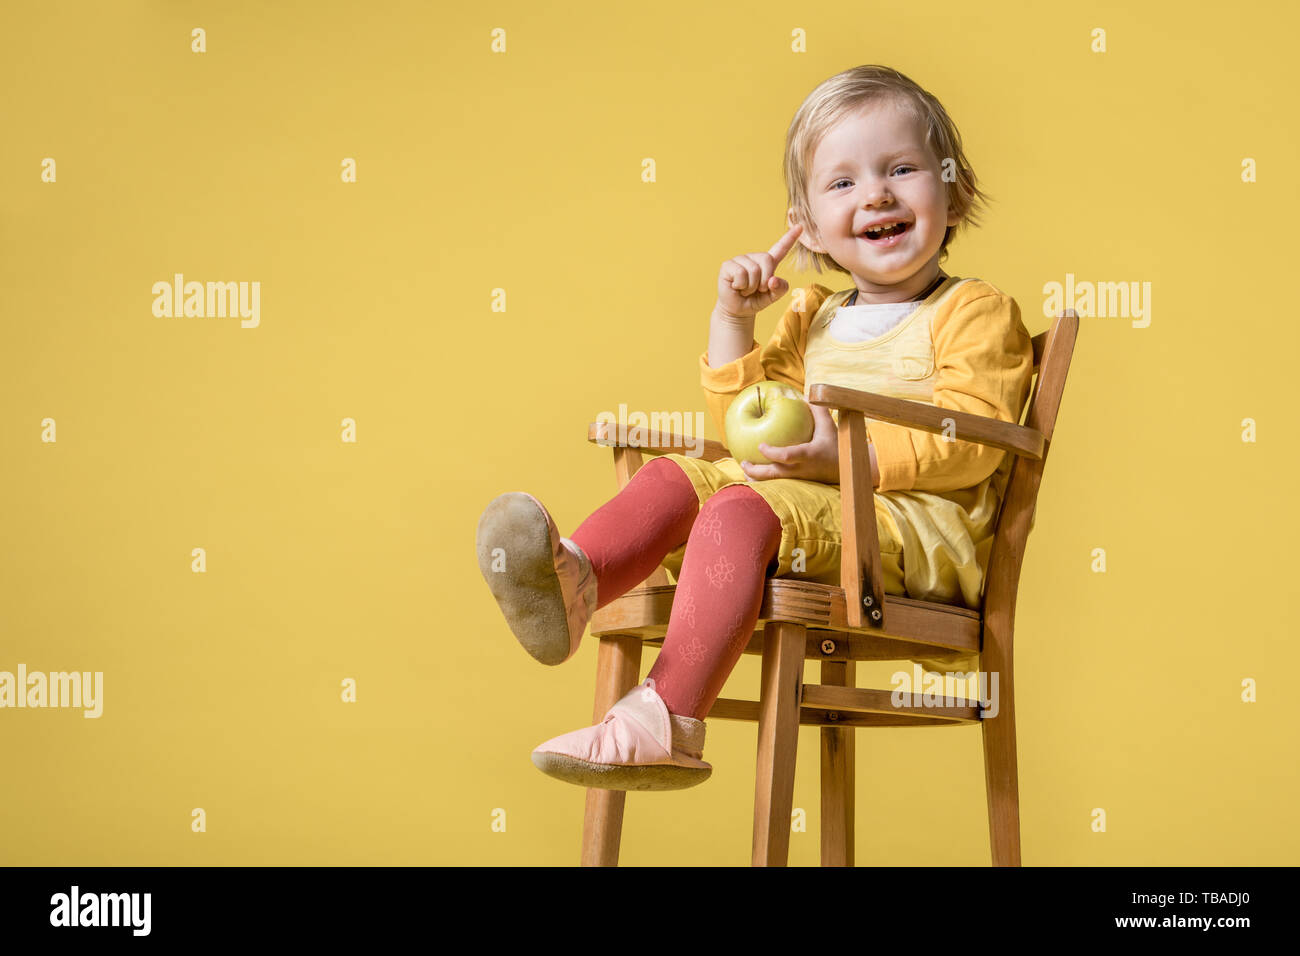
(884, 232)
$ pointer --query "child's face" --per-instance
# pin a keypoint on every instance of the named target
(874, 165)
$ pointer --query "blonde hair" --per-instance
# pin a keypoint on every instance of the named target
(846, 93)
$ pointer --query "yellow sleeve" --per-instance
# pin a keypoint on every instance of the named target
(984, 361)
(781, 360)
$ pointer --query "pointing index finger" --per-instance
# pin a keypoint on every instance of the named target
(785, 243)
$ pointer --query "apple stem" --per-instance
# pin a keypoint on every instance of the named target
(760, 402)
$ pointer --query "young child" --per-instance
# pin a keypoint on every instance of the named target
(877, 183)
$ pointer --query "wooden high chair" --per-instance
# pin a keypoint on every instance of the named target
(801, 620)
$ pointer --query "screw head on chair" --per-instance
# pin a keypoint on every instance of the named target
(828, 646)
(867, 600)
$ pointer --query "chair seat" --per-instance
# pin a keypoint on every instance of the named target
(915, 628)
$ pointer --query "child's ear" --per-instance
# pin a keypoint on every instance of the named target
(810, 242)
(791, 219)
(805, 239)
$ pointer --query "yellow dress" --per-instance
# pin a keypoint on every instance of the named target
(964, 348)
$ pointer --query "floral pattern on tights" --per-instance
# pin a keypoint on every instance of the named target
(720, 572)
(758, 556)
(693, 652)
(709, 524)
(684, 604)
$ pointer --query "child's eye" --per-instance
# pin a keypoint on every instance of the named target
(904, 168)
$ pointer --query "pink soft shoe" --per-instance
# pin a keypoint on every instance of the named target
(638, 746)
(543, 583)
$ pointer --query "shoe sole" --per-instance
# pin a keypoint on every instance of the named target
(528, 589)
(616, 777)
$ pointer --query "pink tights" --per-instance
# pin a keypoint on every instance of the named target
(731, 546)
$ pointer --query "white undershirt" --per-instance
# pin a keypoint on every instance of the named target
(861, 323)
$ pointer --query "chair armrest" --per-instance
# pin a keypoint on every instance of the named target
(981, 429)
(606, 433)
(861, 573)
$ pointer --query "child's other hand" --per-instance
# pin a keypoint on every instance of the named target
(748, 284)
(817, 459)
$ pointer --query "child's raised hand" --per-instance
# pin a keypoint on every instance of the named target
(748, 284)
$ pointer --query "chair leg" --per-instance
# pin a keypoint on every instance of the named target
(778, 736)
(999, 733)
(618, 665)
(838, 775)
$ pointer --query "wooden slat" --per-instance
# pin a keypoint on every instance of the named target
(861, 576)
(854, 647)
(1017, 439)
(645, 612)
(778, 737)
(627, 462)
(838, 753)
(618, 665)
(725, 708)
(1039, 342)
(850, 646)
(1006, 558)
(868, 700)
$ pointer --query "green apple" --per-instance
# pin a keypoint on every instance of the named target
(770, 412)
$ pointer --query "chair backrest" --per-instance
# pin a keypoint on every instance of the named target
(1053, 350)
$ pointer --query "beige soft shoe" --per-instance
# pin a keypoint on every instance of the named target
(543, 583)
(638, 745)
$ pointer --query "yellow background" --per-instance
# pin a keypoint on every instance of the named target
(521, 171)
